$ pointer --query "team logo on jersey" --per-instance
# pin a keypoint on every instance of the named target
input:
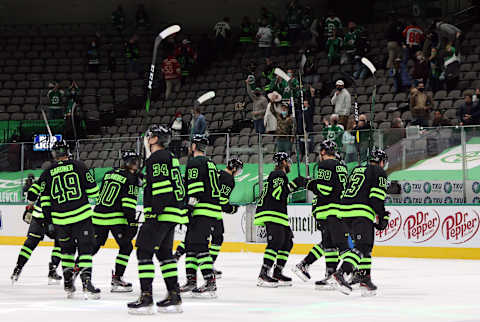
(447, 187)
(407, 187)
(394, 225)
(421, 226)
(460, 227)
(476, 187)
(427, 187)
(448, 200)
(427, 200)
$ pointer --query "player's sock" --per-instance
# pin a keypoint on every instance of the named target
(146, 273)
(315, 254)
(191, 264)
(214, 251)
(282, 258)
(205, 264)
(269, 257)
(24, 256)
(170, 273)
(121, 263)
(56, 256)
(331, 258)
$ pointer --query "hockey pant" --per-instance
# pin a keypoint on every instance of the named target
(361, 231)
(36, 233)
(279, 245)
(216, 241)
(79, 237)
(196, 247)
(123, 236)
(156, 237)
(325, 248)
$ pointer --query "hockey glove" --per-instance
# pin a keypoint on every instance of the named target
(50, 231)
(382, 221)
(27, 214)
(300, 182)
(132, 229)
(234, 209)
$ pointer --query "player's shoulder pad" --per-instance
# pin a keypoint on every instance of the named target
(78, 164)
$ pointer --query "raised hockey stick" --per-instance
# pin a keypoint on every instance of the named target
(287, 78)
(77, 155)
(205, 97)
(303, 60)
(372, 69)
(161, 36)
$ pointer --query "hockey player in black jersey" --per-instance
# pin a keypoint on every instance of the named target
(328, 188)
(65, 188)
(203, 195)
(39, 227)
(363, 210)
(272, 213)
(227, 184)
(115, 212)
(164, 198)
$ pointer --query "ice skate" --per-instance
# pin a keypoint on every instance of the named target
(69, 288)
(53, 277)
(90, 291)
(218, 274)
(266, 281)
(327, 284)
(16, 274)
(367, 288)
(119, 285)
(340, 284)
(189, 285)
(172, 303)
(356, 278)
(301, 270)
(207, 290)
(142, 306)
(282, 279)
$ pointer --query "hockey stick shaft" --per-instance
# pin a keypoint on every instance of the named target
(75, 130)
(305, 134)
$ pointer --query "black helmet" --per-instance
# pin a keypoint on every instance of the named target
(235, 163)
(377, 155)
(201, 142)
(129, 156)
(161, 132)
(329, 146)
(60, 149)
(281, 156)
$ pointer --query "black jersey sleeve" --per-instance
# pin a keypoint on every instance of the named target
(129, 197)
(378, 191)
(91, 188)
(45, 198)
(227, 184)
(34, 191)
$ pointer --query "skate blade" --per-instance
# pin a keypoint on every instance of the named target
(328, 287)
(300, 274)
(52, 281)
(70, 295)
(219, 276)
(170, 309)
(91, 296)
(261, 283)
(205, 295)
(365, 292)
(284, 284)
(188, 294)
(146, 310)
(342, 288)
(121, 289)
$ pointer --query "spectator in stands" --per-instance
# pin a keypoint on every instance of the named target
(294, 20)
(452, 67)
(348, 141)
(395, 133)
(445, 31)
(180, 132)
(278, 85)
(93, 57)
(264, 38)
(414, 37)
(55, 96)
(274, 108)
(187, 57)
(316, 31)
(73, 96)
(342, 102)
(259, 107)
(199, 124)
(421, 68)
(222, 36)
(402, 80)
(132, 54)
(268, 74)
(332, 130)
(469, 111)
(292, 88)
(306, 23)
(334, 46)
(282, 38)
(363, 127)
(435, 64)
(394, 39)
(172, 74)
(309, 108)
(310, 75)
(267, 15)
(141, 17)
(421, 105)
(118, 18)
(246, 32)
(350, 42)
(331, 23)
(440, 120)
(284, 130)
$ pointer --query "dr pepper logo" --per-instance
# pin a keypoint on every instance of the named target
(394, 225)
(460, 227)
(421, 226)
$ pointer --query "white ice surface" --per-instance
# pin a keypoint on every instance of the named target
(409, 290)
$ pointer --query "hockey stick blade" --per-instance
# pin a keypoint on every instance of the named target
(303, 61)
(282, 74)
(369, 65)
(46, 123)
(205, 97)
(169, 31)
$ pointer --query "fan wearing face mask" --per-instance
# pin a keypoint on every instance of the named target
(421, 105)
